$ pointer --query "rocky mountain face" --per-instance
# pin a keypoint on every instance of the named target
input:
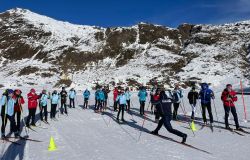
(38, 50)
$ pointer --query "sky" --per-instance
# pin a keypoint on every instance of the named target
(112, 13)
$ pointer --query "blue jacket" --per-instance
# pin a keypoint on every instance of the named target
(177, 95)
(206, 94)
(122, 99)
(43, 99)
(101, 95)
(55, 99)
(128, 95)
(86, 94)
(9, 110)
(72, 94)
(142, 95)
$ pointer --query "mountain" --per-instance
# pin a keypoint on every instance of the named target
(36, 50)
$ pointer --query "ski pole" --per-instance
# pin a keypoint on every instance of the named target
(215, 112)
(188, 122)
(243, 100)
(25, 127)
(143, 122)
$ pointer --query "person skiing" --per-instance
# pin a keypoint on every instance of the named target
(121, 100)
(105, 101)
(54, 102)
(32, 105)
(193, 95)
(205, 95)
(128, 96)
(228, 98)
(152, 93)
(72, 95)
(96, 98)
(115, 94)
(63, 97)
(86, 95)
(18, 108)
(165, 112)
(142, 99)
(44, 105)
(177, 95)
(7, 112)
(100, 99)
(155, 101)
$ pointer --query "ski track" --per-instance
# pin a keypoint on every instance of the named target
(84, 134)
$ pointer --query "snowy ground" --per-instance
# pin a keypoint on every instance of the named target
(87, 135)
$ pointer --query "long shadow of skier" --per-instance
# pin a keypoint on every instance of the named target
(15, 151)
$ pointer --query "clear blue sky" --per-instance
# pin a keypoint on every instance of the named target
(107, 13)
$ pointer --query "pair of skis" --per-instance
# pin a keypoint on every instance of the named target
(12, 140)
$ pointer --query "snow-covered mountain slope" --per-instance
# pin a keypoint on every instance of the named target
(37, 50)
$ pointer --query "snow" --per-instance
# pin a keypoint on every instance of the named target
(87, 135)
(62, 32)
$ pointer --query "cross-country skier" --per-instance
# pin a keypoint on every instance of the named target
(193, 95)
(121, 100)
(44, 105)
(177, 95)
(32, 105)
(165, 112)
(128, 96)
(105, 101)
(152, 93)
(229, 98)
(72, 95)
(54, 102)
(100, 99)
(7, 112)
(155, 101)
(142, 99)
(115, 94)
(18, 107)
(63, 97)
(206, 95)
(86, 95)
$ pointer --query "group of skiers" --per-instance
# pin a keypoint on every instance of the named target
(12, 110)
(160, 99)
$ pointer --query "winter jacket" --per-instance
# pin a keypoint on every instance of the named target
(32, 100)
(72, 94)
(193, 95)
(86, 94)
(9, 104)
(122, 99)
(206, 95)
(115, 93)
(18, 104)
(177, 95)
(43, 100)
(128, 95)
(229, 102)
(164, 108)
(142, 95)
(55, 98)
(63, 96)
(101, 96)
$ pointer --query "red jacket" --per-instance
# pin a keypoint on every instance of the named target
(18, 104)
(32, 100)
(225, 95)
(115, 93)
(156, 97)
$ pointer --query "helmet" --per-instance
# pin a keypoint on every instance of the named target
(54, 92)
